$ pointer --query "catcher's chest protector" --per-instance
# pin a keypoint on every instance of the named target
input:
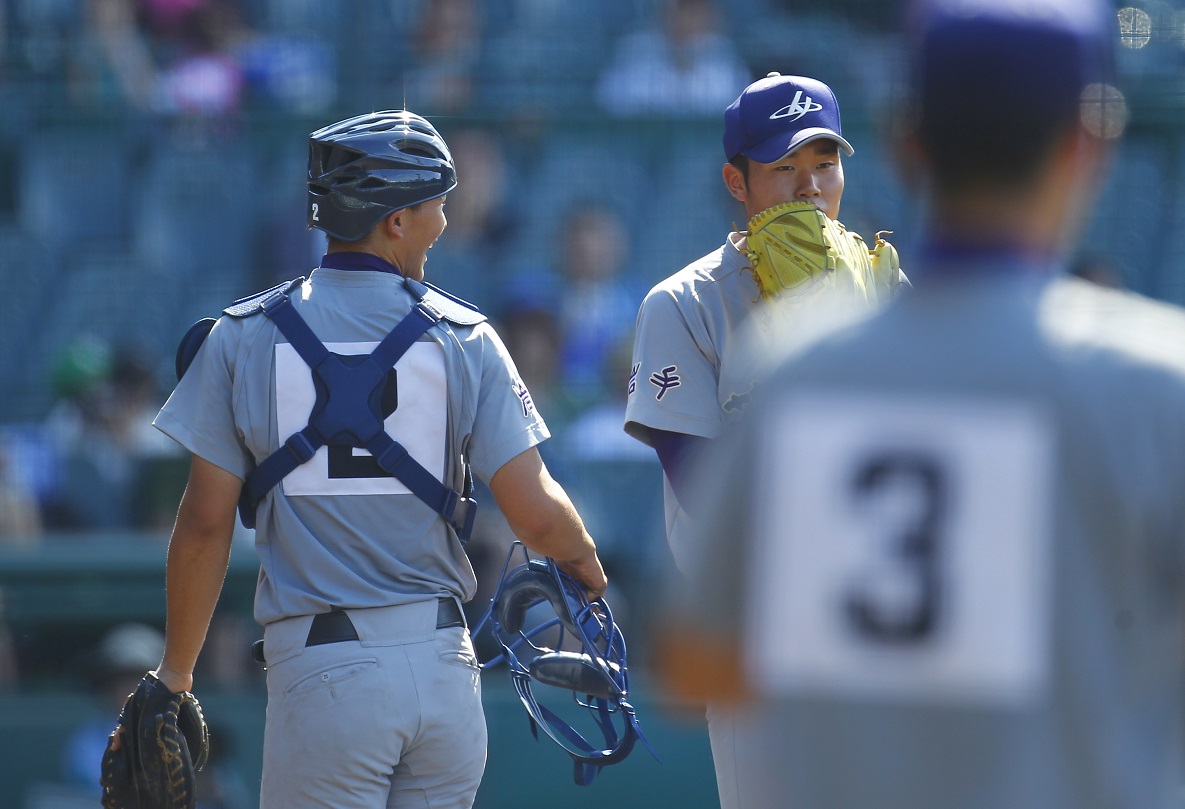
(349, 406)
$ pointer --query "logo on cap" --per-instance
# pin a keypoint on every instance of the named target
(775, 115)
(796, 108)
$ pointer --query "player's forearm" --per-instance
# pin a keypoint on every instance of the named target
(194, 576)
(556, 530)
(199, 553)
(541, 514)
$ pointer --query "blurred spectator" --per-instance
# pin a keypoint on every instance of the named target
(600, 300)
(684, 67)
(596, 434)
(446, 48)
(297, 74)
(178, 58)
(478, 209)
(20, 513)
(202, 77)
(84, 489)
(112, 63)
(139, 396)
(532, 334)
(169, 18)
(159, 467)
(482, 218)
(100, 432)
(39, 33)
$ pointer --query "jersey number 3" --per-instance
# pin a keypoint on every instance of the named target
(907, 609)
(901, 549)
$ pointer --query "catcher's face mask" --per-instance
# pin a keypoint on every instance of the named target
(596, 675)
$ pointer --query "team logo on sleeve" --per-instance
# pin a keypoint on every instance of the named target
(665, 380)
(524, 398)
(737, 402)
(633, 386)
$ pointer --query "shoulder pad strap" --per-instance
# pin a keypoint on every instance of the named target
(250, 305)
(451, 308)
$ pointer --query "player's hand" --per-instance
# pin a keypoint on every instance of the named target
(588, 571)
(174, 681)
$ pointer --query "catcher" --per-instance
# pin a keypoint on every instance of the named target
(691, 370)
(356, 466)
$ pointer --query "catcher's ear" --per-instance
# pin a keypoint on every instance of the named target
(734, 181)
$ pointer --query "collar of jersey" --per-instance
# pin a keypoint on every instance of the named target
(358, 262)
(949, 260)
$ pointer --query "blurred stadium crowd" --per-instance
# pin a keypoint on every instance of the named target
(152, 163)
(152, 154)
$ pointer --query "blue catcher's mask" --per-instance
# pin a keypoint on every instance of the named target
(597, 675)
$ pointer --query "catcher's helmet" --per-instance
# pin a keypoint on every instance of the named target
(597, 674)
(365, 167)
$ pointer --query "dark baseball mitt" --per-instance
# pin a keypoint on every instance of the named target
(163, 743)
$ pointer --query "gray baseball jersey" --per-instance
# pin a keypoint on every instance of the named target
(951, 539)
(703, 336)
(687, 374)
(353, 539)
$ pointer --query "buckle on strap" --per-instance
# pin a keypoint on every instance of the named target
(301, 448)
(429, 312)
(471, 512)
(461, 513)
(390, 458)
(273, 302)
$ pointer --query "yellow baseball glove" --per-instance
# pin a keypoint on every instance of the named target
(796, 249)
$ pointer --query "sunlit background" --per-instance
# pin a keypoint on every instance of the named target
(152, 164)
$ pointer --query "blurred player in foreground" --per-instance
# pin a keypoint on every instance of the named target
(374, 696)
(691, 372)
(940, 562)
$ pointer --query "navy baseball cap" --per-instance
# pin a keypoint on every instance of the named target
(775, 115)
(1006, 65)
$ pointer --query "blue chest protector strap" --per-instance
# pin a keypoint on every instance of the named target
(348, 409)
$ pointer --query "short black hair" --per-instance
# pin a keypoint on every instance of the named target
(994, 90)
(968, 153)
(741, 163)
